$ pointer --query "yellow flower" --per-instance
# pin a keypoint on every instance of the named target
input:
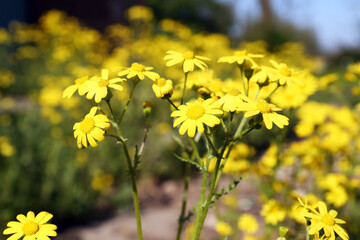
(139, 12)
(6, 148)
(102, 181)
(140, 71)
(195, 114)
(240, 56)
(273, 212)
(248, 223)
(162, 88)
(267, 110)
(188, 59)
(80, 85)
(327, 221)
(232, 100)
(282, 73)
(31, 227)
(91, 128)
(223, 229)
(98, 86)
(261, 76)
(337, 196)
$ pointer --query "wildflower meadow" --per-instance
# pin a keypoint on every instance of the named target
(87, 117)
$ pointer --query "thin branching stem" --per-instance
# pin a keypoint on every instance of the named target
(184, 200)
(128, 101)
(131, 169)
(184, 88)
(172, 104)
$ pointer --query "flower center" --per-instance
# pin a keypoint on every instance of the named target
(328, 220)
(160, 82)
(195, 112)
(103, 83)
(234, 92)
(263, 107)
(189, 55)
(81, 80)
(241, 53)
(285, 71)
(137, 67)
(87, 125)
(30, 228)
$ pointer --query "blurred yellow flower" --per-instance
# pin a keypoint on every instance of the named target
(139, 12)
(248, 223)
(31, 227)
(273, 212)
(6, 78)
(223, 229)
(240, 57)
(140, 71)
(91, 128)
(6, 148)
(267, 110)
(188, 59)
(102, 181)
(162, 88)
(230, 201)
(282, 73)
(79, 85)
(337, 196)
(194, 115)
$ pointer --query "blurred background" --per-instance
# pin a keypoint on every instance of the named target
(45, 45)
(327, 26)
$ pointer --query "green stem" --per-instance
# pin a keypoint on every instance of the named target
(200, 207)
(204, 205)
(184, 200)
(117, 126)
(184, 88)
(242, 73)
(128, 102)
(307, 233)
(258, 92)
(268, 97)
(172, 103)
(131, 169)
(240, 127)
(135, 192)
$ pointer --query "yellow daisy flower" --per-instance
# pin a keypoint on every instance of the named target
(80, 85)
(162, 88)
(282, 73)
(91, 128)
(195, 114)
(240, 56)
(232, 100)
(188, 59)
(140, 71)
(327, 221)
(31, 227)
(267, 110)
(99, 86)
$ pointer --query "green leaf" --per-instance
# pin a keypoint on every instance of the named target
(224, 191)
(190, 162)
